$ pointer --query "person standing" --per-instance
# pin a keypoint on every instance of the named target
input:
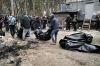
(6, 23)
(54, 27)
(74, 23)
(26, 26)
(12, 25)
(32, 21)
(44, 20)
(68, 21)
(97, 22)
(38, 23)
(1, 22)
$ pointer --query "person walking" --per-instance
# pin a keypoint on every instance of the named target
(54, 27)
(12, 25)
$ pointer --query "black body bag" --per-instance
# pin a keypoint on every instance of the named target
(43, 36)
(79, 42)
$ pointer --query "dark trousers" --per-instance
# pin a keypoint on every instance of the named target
(74, 24)
(12, 30)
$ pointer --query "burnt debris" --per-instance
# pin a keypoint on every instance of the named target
(13, 50)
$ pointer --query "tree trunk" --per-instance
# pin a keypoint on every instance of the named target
(12, 7)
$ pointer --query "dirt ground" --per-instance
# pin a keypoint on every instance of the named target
(52, 55)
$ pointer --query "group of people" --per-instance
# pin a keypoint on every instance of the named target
(29, 23)
(71, 21)
(74, 22)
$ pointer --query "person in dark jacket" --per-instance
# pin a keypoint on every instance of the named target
(68, 21)
(1, 22)
(26, 25)
(32, 21)
(97, 22)
(44, 20)
(54, 26)
(6, 23)
(74, 23)
(37, 23)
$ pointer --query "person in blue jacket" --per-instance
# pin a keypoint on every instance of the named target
(54, 26)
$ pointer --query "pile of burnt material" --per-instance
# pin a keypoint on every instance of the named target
(43, 36)
(13, 50)
(11, 54)
(79, 42)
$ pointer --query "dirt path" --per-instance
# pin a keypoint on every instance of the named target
(52, 55)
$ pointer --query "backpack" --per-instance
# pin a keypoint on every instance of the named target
(12, 20)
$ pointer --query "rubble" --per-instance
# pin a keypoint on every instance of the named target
(15, 48)
(10, 49)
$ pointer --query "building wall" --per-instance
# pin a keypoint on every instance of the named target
(77, 6)
(80, 5)
(63, 7)
(73, 0)
(97, 6)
